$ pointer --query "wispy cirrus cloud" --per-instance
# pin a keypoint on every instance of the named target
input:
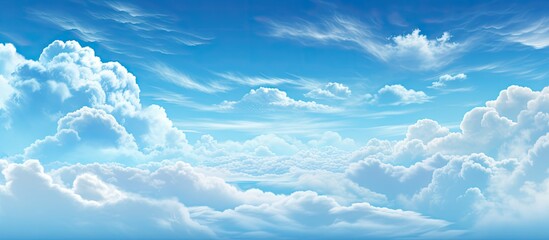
(180, 79)
(308, 126)
(179, 99)
(413, 50)
(139, 28)
(535, 34)
(254, 80)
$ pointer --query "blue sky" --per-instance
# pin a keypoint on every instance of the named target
(302, 114)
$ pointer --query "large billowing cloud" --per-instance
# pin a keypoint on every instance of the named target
(68, 77)
(488, 174)
(83, 131)
(9, 59)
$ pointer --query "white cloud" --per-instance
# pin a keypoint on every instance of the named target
(65, 78)
(60, 89)
(124, 201)
(426, 130)
(104, 85)
(6, 92)
(333, 139)
(430, 53)
(9, 59)
(166, 181)
(255, 163)
(446, 78)
(413, 51)
(496, 175)
(68, 77)
(86, 135)
(512, 101)
(399, 95)
(262, 98)
(394, 180)
(331, 90)
(303, 214)
(92, 209)
(456, 188)
(534, 35)
(506, 127)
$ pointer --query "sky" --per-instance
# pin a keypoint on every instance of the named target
(274, 119)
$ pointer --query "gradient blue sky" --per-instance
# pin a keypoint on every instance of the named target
(292, 109)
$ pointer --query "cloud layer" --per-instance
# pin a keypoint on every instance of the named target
(489, 174)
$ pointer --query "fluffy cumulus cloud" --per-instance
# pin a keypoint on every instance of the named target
(399, 95)
(483, 177)
(446, 78)
(432, 53)
(68, 77)
(170, 180)
(273, 98)
(331, 90)
(9, 59)
(82, 131)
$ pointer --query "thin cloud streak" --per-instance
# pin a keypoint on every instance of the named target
(297, 126)
(180, 79)
(180, 100)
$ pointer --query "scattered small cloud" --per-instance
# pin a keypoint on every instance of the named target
(399, 95)
(332, 90)
(442, 80)
(265, 98)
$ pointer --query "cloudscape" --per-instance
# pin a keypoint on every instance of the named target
(274, 119)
